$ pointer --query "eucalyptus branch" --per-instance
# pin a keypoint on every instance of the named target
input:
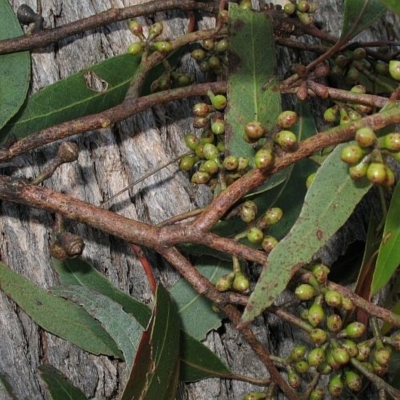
(183, 265)
(104, 119)
(42, 39)
(221, 204)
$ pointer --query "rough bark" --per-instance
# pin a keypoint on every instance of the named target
(109, 160)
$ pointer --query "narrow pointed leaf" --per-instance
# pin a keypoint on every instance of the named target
(122, 327)
(155, 371)
(197, 361)
(78, 272)
(393, 5)
(191, 304)
(253, 90)
(58, 385)
(6, 391)
(389, 251)
(328, 204)
(360, 15)
(15, 69)
(56, 315)
(90, 91)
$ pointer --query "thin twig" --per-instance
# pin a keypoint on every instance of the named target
(43, 39)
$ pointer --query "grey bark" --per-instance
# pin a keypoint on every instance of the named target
(109, 160)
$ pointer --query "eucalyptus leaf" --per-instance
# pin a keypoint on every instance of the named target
(360, 15)
(122, 327)
(15, 68)
(191, 304)
(56, 315)
(89, 91)
(328, 204)
(389, 251)
(155, 371)
(59, 387)
(393, 5)
(253, 89)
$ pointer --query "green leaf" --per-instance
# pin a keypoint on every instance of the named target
(328, 204)
(191, 304)
(15, 69)
(122, 327)
(389, 250)
(58, 316)
(6, 391)
(197, 361)
(253, 89)
(78, 272)
(59, 386)
(156, 369)
(72, 97)
(360, 15)
(393, 5)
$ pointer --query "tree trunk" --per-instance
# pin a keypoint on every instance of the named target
(109, 160)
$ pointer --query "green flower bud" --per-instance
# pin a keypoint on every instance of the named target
(219, 101)
(135, 48)
(391, 142)
(210, 151)
(254, 130)
(248, 211)
(287, 140)
(218, 127)
(355, 330)
(187, 162)
(364, 352)
(331, 114)
(335, 386)
(316, 356)
(320, 271)
(255, 396)
(163, 47)
(255, 235)
(365, 137)
(334, 323)
(318, 336)
(352, 380)
(224, 282)
(263, 158)
(155, 30)
(340, 355)
(210, 166)
(243, 163)
(273, 215)
(383, 355)
(333, 298)
(315, 315)
(298, 353)
(200, 177)
(317, 394)
(286, 119)
(347, 304)
(358, 171)
(198, 54)
(201, 109)
(241, 283)
(294, 379)
(289, 8)
(305, 292)
(207, 44)
(352, 154)
(394, 69)
(350, 346)
(301, 367)
(191, 141)
(377, 173)
(269, 243)
(231, 163)
(221, 46)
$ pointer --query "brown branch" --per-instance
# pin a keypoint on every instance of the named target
(104, 119)
(221, 204)
(42, 39)
(202, 285)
